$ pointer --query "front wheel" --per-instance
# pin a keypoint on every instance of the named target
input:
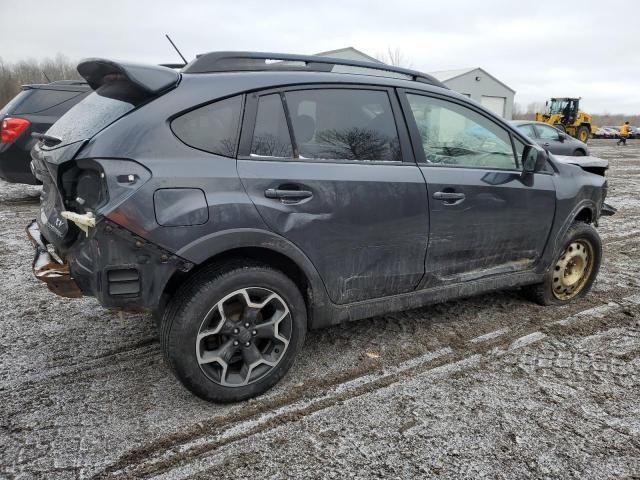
(232, 332)
(574, 270)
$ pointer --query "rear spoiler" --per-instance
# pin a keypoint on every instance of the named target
(151, 79)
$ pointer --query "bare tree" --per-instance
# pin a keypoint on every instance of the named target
(14, 75)
(395, 57)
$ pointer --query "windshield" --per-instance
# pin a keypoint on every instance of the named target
(557, 105)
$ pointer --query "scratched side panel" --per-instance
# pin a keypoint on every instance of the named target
(501, 226)
(365, 228)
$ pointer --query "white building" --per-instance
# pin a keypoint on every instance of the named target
(475, 83)
(481, 86)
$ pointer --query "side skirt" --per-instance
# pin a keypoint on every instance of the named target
(331, 314)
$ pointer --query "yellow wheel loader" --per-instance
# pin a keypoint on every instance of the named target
(565, 114)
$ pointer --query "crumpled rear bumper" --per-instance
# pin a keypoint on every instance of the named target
(120, 269)
(56, 275)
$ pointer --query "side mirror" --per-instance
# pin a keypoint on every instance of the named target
(533, 160)
(562, 137)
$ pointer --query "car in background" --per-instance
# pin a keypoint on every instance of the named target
(34, 110)
(614, 132)
(604, 132)
(551, 138)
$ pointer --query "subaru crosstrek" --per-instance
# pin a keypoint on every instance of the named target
(250, 197)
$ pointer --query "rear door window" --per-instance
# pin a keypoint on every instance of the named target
(212, 128)
(343, 124)
(271, 133)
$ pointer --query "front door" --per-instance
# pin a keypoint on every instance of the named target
(328, 169)
(486, 216)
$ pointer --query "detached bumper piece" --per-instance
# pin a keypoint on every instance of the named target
(45, 268)
(607, 210)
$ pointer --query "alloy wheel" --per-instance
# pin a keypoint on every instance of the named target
(244, 336)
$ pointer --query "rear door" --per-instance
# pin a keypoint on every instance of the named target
(329, 169)
(486, 216)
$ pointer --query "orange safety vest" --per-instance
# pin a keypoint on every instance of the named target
(624, 130)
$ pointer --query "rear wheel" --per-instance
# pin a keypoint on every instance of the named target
(233, 332)
(582, 133)
(574, 270)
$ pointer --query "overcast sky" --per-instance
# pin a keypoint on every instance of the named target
(541, 49)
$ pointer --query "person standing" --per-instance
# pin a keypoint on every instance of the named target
(624, 133)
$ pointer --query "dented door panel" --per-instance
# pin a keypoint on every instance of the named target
(364, 226)
(501, 226)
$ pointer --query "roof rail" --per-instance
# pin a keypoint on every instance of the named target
(258, 61)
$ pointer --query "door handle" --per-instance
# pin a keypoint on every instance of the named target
(546, 144)
(285, 194)
(450, 198)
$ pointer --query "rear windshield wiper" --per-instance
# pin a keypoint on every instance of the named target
(48, 139)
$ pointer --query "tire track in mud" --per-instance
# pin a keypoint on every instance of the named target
(93, 365)
(450, 319)
(177, 450)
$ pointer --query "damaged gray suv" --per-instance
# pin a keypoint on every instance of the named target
(250, 197)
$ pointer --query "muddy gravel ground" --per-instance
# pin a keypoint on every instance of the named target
(488, 387)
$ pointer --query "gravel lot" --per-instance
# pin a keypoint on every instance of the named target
(488, 387)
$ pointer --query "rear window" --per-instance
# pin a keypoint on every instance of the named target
(14, 102)
(212, 128)
(95, 112)
(43, 99)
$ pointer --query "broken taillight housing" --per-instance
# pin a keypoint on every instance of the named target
(11, 128)
(83, 187)
(99, 185)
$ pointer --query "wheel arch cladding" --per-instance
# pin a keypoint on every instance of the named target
(584, 210)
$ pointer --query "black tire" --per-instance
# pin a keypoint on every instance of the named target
(543, 293)
(579, 153)
(583, 131)
(184, 317)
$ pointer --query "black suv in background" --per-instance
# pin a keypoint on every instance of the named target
(33, 110)
(252, 196)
